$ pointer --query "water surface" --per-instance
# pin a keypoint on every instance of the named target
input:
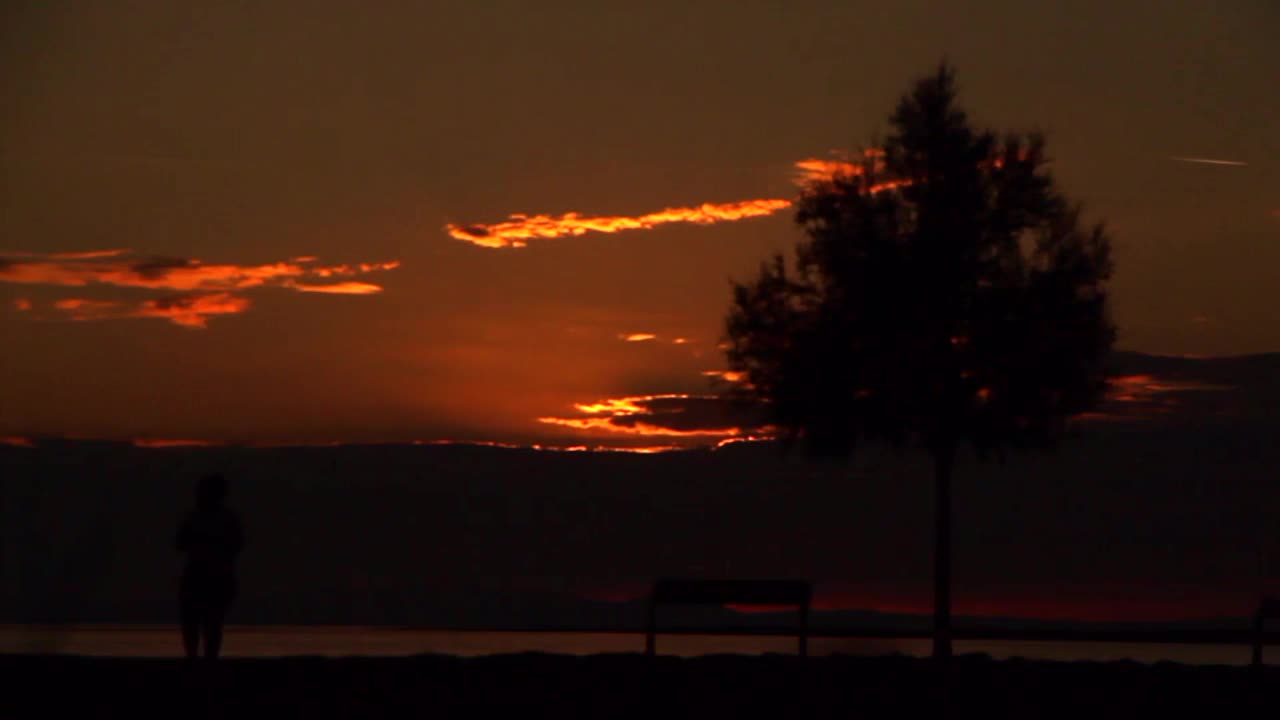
(339, 641)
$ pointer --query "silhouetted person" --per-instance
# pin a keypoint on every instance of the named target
(211, 537)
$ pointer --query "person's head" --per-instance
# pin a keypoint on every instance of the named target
(211, 491)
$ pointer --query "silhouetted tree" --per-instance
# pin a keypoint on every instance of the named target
(945, 294)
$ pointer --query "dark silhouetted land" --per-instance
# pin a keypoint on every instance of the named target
(610, 685)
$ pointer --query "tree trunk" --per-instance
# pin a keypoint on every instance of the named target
(943, 459)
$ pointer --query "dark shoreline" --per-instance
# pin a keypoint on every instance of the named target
(1154, 635)
(606, 685)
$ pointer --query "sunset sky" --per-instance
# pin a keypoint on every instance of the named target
(250, 222)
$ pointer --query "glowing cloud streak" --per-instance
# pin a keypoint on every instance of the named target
(343, 288)
(674, 415)
(1208, 161)
(620, 406)
(638, 428)
(726, 375)
(191, 311)
(813, 170)
(518, 229)
(178, 274)
(644, 337)
(197, 290)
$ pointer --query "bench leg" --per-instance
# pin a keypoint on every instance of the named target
(649, 629)
(1257, 638)
(804, 630)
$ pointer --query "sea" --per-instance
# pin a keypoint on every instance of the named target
(152, 641)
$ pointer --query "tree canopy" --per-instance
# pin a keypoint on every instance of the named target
(945, 292)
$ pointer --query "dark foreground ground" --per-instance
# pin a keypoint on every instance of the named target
(627, 685)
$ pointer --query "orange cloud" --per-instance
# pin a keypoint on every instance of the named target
(518, 229)
(1144, 388)
(726, 375)
(90, 254)
(22, 304)
(78, 305)
(811, 170)
(71, 255)
(638, 449)
(743, 439)
(110, 267)
(202, 290)
(647, 337)
(1144, 397)
(676, 416)
(16, 441)
(342, 288)
(187, 310)
(617, 406)
(339, 270)
(637, 428)
(814, 170)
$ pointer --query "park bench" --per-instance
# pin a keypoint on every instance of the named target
(797, 593)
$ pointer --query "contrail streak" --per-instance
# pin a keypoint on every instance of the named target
(1208, 161)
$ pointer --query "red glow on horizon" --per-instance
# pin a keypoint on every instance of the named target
(1093, 602)
(171, 443)
(161, 443)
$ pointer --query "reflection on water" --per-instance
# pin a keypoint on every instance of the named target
(163, 641)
